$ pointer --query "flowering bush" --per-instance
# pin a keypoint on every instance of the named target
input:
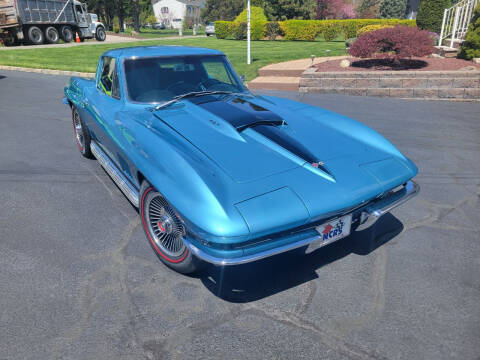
(393, 44)
(369, 28)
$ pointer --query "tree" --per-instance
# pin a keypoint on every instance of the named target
(368, 9)
(288, 9)
(471, 46)
(222, 10)
(430, 14)
(393, 9)
(329, 9)
(136, 16)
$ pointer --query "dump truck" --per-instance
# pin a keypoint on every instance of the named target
(46, 21)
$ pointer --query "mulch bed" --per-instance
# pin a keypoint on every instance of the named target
(414, 64)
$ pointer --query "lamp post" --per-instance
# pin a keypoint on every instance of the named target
(249, 60)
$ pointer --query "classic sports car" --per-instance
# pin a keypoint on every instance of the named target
(222, 175)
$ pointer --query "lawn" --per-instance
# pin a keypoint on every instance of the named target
(84, 58)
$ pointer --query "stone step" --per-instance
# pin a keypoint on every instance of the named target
(406, 93)
(446, 51)
(280, 72)
(287, 83)
(309, 73)
(396, 82)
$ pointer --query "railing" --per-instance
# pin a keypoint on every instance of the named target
(456, 20)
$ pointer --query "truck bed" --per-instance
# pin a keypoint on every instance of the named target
(36, 12)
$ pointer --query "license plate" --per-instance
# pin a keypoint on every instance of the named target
(331, 231)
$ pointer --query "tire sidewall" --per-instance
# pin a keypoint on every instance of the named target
(56, 36)
(185, 263)
(36, 30)
(67, 34)
(100, 34)
(85, 149)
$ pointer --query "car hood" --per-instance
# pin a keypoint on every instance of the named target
(324, 159)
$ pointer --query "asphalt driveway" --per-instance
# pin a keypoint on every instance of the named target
(78, 279)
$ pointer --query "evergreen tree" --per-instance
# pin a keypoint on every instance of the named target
(393, 9)
(430, 14)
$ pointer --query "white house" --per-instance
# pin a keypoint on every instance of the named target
(174, 12)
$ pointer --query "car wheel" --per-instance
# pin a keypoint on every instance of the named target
(35, 35)
(82, 136)
(165, 231)
(100, 34)
(66, 33)
(51, 35)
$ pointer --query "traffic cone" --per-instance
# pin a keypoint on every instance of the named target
(77, 38)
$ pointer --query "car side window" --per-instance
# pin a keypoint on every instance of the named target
(108, 81)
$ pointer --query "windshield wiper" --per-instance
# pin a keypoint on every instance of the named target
(193, 94)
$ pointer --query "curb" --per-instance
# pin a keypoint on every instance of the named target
(48, 71)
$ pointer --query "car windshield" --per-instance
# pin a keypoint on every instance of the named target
(157, 80)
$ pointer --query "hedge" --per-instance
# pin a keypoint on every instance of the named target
(238, 30)
(307, 30)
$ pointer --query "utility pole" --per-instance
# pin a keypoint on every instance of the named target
(249, 60)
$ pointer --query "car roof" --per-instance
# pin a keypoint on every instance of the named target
(166, 50)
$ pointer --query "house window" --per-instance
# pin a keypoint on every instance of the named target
(190, 9)
(164, 10)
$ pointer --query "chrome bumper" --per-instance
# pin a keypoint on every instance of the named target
(368, 216)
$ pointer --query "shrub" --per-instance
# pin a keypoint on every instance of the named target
(258, 29)
(256, 14)
(368, 9)
(369, 28)
(223, 29)
(393, 9)
(239, 30)
(329, 30)
(430, 14)
(299, 29)
(116, 29)
(471, 46)
(306, 30)
(393, 43)
(272, 30)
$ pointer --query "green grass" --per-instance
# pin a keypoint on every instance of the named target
(84, 58)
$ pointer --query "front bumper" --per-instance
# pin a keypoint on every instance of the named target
(365, 216)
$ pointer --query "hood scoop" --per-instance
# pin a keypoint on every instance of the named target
(242, 114)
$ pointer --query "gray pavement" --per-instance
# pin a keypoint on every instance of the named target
(78, 279)
(111, 39)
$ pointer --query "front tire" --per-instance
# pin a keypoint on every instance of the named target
(100, 34)
(165, 231)
(82, 136)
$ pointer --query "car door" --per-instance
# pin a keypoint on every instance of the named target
(105, 123)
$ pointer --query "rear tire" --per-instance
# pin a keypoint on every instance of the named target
(66, 33)
(165, 231)
(82, 136)
(35, 35)
(100, 34)
(51, 35)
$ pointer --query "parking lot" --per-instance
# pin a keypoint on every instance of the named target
(79, 280)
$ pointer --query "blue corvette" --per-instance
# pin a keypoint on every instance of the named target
(223, 176)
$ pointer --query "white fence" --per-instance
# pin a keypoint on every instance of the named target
(456, 20)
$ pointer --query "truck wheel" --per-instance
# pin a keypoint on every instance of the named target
(100, 34)
(11, 40)
(51, 35)
(35, 36)
(66, 33)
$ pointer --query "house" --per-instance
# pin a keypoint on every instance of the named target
(172, 13)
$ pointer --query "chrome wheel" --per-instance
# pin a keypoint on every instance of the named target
(164, 225)
(79, 135)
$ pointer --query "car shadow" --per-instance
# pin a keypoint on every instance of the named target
(257, 280)
(2, 77)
